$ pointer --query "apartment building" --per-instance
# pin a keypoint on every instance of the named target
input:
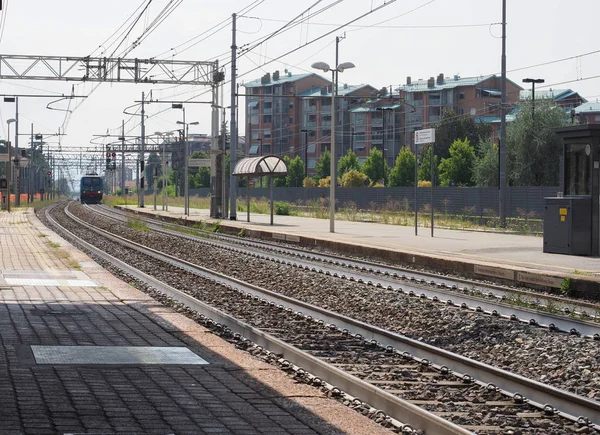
(426, 100)
(273, 112)
(566, 98)
(587, 113)
(316, 120)
(376, 124)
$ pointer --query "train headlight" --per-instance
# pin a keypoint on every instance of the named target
(99, 191)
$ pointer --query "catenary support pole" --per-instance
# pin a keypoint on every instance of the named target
(233, 123)
(17, 155)
(432, 183)
(123, 158)
(502, 148)
(142, 156)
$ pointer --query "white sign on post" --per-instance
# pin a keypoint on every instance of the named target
(3, 157)
(425, 136)
(199, 163)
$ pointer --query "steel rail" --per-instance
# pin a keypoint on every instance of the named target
(394, 406)
(524, 315)
(541, 395)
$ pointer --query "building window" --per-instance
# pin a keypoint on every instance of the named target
(267, 119)
(253, 150)
(311, 163)
(254, 135)
(254, 119)
(266, 133)
(266, 148)
(325, 133)
(256, 91)
(268, 90)
(325, 147)
(291, 120)
(312, 147)
(291, 105)
(473, 111)
(461, 111)
(461, 96)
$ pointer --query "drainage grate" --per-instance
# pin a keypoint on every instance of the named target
(115, 355)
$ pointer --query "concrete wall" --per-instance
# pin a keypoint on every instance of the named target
(473, 201)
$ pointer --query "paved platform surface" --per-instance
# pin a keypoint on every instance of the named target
(490, 247)
(55, 300)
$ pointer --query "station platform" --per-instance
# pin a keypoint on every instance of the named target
(83, 352)
(505, 258)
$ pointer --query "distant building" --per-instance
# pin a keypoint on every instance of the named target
(587, 113)
(565, 98)
(474, 96)
(273, 112)
(316, 120)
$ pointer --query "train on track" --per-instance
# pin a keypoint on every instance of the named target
(91, 188)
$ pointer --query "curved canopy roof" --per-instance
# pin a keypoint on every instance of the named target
(263, 165)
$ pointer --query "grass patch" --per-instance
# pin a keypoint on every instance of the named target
(42, 235)
(137, 224)
(54, 245)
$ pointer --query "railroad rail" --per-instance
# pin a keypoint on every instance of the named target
(440, 368)
(441, 290)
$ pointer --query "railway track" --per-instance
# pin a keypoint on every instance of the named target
(396, 372)
(460, 294)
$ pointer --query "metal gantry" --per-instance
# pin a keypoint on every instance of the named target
(151, 71)
(103, 69)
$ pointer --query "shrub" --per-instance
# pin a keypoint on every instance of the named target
(424, 183)
(309, 182)
(282, 208)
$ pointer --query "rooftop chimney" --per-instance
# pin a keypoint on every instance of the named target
(408, 81)
(265, 79)
(323, 90)
(276, 75)
(440, 79)
(431, 82)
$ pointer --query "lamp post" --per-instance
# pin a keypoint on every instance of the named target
(325, 68)
(8, 164)
(305, 131)
(533, 82)
(186, 197)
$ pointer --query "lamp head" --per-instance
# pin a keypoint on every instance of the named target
(177, 106)
(194, 123)
(323, 66)
(10, 121)
(346, 65)
(180, 123)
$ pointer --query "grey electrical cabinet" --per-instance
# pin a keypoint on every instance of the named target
(568, 225)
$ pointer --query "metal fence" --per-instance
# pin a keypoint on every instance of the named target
(473, 201)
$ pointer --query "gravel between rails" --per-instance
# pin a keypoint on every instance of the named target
(561, 360)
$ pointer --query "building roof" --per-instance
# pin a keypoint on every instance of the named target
(343, 90)
(449, 83)
(551, 94)
(588, 108)
(510, 117)
(283, 78)
(363, 109)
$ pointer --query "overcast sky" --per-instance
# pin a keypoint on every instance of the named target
(417, 38)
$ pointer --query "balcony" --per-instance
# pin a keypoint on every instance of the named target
(377, 122)
(310, 125)
(325, 124)
(267, 111)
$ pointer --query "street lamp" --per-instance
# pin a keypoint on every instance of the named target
(333, 179)
(305, 131)
(533, 82)
(8, 165)
(186, 152)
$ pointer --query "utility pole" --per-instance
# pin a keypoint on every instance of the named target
(142, 157)
(123, 158)
(17, 156)
(216, 160)
(233, 126)
(502, 148)
(29, 174)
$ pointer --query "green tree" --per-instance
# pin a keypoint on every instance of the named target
(532, 148)
(403, 173)
(458, 169)
(354, 178)
(375, 167)
(347, 163)
(485, 167)
(282, 180)
(323, 166)
(453, 126)
(295, 174)
(424, 172)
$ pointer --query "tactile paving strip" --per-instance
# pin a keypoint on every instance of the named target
(114, 355)
(51, 282)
